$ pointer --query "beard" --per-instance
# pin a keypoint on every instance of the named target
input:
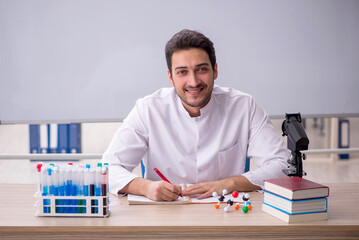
(196, 101)
(200, 103)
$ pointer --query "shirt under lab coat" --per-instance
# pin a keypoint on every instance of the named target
(187, 149)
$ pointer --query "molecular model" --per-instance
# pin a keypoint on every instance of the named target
(246, 205)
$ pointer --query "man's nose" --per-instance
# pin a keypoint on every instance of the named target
(192, 79)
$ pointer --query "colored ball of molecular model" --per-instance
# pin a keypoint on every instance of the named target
(246, 205)
(235, 194)
(245, 209)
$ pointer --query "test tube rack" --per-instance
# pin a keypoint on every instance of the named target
(72, 206)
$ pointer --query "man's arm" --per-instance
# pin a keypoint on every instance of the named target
(237, 183)
(155, 190)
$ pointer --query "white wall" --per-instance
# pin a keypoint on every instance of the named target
(89, 60)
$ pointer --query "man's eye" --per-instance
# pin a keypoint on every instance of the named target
(202, 69)
(181, 72)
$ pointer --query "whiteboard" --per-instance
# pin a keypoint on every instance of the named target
(90, 60)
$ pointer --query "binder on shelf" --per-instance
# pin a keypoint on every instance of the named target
(44, 138)
(38, 139)
(344, 137)
(53, 137)
(74, 138)
(63, 138)
(34, 132)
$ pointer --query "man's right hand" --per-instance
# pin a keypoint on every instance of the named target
(154, 190)
(163, 191)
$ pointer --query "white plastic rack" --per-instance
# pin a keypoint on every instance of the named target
(72, 206)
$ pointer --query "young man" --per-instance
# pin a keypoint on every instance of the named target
(195, 132)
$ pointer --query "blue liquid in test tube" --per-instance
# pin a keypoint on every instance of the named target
(68, 179)
(62, 189)
(45, 188)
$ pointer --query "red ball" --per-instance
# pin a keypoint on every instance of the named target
(235, 194)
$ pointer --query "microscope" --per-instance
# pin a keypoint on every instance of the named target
(297, 141)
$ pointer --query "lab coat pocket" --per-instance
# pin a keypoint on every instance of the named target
(232, 161)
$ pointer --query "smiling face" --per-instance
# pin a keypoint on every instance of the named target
(193, 78)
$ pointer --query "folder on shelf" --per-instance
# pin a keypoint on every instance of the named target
(74, 138)
(44, 138)
(63, 138)
(34, 131)
(53, 137)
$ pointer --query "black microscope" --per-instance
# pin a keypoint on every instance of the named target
(297, 141)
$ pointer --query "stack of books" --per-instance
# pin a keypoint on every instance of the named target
(295, 199)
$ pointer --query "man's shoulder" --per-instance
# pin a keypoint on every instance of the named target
(161, 95)
(230, 93)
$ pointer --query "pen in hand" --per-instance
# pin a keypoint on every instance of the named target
(163, 177)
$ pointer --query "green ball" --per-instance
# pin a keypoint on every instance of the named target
(245, 209)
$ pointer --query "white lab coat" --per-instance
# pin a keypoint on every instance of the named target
(210, 147)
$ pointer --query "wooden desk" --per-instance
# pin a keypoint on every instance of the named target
(193, 221)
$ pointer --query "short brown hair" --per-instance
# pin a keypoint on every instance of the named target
(187, 39)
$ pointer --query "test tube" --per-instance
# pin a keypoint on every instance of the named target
(74, 188)
(50, 181)
(39, 185)
(45, 188)
(98, 179)
(86, 186)
(62, 189)
(104, 187)
(92, 188)
(75, 182)
(50, 187)
(80, 180)
(108, 187)
(68, 179)
(55, 184)
(80, 187)
(87, 178)
(55, 178)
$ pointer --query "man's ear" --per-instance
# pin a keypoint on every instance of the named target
(215, 72)
(170, 77)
